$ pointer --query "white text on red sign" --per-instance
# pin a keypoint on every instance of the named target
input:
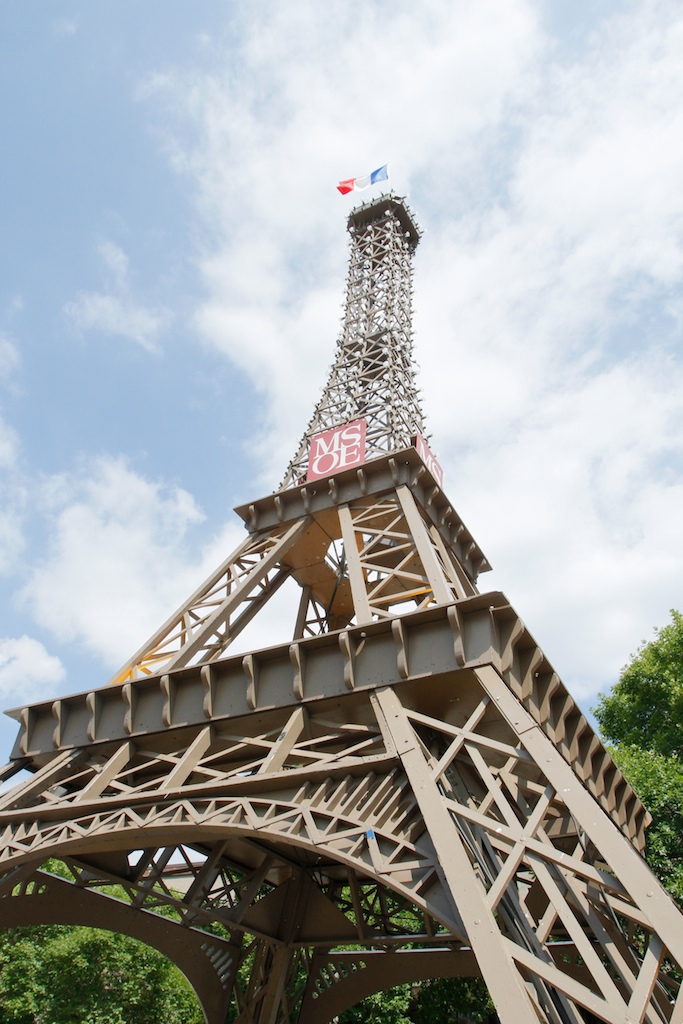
(424, 451)
(336, 449)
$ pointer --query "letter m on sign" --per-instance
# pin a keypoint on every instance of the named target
(336, 449)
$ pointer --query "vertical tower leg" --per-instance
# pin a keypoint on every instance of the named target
(498, 970)
(275, 963)
(277, 972)
(526, 853)
(634, 874)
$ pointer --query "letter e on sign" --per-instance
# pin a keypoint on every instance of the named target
(424, 451)
(336, 449)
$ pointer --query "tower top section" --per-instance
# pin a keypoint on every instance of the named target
(372, 384)
(378, 209)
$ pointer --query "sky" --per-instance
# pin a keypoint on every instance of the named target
(172, 261)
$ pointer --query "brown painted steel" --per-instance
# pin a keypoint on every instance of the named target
(403, 790)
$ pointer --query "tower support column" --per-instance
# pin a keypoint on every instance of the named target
(472, 910)
(634, 874)
(280, 961)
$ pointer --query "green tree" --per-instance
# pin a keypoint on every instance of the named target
(390, 1007)
(21, 987)
(439, 1001)
(645, 708)
(658, 781)
(447, 1000)
(642, 719)
(89, 976)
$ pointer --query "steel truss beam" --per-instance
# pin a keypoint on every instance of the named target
(361, 545)
(218, 611)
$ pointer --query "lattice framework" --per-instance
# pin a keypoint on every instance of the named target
(373, 374)
(361, 547)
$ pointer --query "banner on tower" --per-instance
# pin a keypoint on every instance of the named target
(425, 453)
(336, 449)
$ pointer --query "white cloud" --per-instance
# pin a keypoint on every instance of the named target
(109, 314)
(11, 523)
(548, 285)
(116, 260)
(316, 99)
(26, 667)
(9, 357)
(117, 311)
(550, 338)
(65, 27)
(120, 557)
(579, 511)
(8, 446)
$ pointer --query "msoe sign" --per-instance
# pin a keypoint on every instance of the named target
(425, 453)
(336, 449)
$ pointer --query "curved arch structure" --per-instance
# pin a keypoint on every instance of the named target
(343, 979)
(42, 898)
(278, 820)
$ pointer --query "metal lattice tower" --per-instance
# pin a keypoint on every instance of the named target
(373, 375)
(403, 790)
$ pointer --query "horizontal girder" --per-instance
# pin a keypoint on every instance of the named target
(419, 646)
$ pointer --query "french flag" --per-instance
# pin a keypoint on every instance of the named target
(359, 184)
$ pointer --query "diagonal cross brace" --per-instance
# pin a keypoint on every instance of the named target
(222, 612)
(498, 970)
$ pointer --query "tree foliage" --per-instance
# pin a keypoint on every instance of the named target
(65, 975)
(658, 781)
(642, 718)
(439, 1001)
(645, 708)
(390, 1007)
(447, 1000)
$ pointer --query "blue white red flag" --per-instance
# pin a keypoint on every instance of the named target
(359, 184)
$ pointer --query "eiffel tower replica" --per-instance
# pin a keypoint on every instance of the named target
(403, 791)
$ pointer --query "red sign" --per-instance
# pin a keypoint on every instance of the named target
(424, 451)
(336, 449)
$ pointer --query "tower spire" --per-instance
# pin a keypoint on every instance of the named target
(373, 374)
